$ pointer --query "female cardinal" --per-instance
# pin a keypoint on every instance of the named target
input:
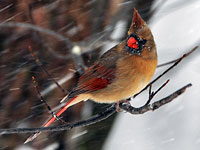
(119, 73)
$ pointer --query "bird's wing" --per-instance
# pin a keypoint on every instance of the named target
(98, 76)
(94, 78)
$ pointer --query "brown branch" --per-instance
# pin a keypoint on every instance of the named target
(154, 105)
(101, 116)
(48, 74)
(97, 118)
(166, 71)
(152, 94)
(173, 61)
(111, 110)
(43, 101)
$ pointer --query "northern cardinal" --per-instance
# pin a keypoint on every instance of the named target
(119, 73)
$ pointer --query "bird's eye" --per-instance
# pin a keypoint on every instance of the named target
(135, 44)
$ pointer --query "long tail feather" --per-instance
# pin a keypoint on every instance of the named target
(52, 119)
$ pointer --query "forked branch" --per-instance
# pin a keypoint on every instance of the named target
(112, 109)
(101, 116)
(177, 61)
(156, 104)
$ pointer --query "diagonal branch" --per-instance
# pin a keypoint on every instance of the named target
(156, 104)
(97, 118)
(43, 100)
(101, 116)
(152, 94)
(48, 74)
(166, 71)
(173, 61)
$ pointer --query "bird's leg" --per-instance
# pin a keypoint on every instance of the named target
(118, 109)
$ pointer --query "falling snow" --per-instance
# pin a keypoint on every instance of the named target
(175, 26)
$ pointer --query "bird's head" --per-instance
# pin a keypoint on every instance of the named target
(140, 40)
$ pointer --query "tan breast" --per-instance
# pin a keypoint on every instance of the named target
(133, 74)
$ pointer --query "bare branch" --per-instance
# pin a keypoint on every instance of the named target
(48, 74)
(166, 71)
(154, 105)
(97, 118)
(152, 94)
(43, 100)
(69, 43)
(101, 116)
(173, 61)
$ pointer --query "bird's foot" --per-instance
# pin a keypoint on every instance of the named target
(118, 109)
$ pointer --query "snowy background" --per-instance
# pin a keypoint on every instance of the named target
(175, 26)
(175, 126)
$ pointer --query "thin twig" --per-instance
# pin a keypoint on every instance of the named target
(156, 104)
(167, 63)
(48, 74)
(152, 94)
(170, 68)
(173, 61)
(101, 116)
(61, 81)
(69, 43)
(97, 118)
(43, 100)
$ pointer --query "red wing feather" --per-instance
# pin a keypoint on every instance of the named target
(94, 78)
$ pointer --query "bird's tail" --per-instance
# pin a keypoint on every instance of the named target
(69, 103)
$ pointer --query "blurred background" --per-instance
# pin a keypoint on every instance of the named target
(53, 28)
